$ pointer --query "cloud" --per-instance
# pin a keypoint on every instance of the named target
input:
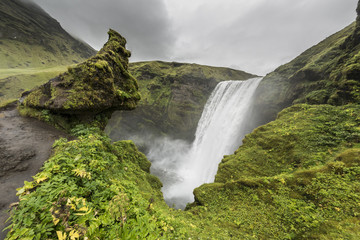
(145, 24)
(255, 36)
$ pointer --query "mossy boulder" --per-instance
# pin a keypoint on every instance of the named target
(100, 83)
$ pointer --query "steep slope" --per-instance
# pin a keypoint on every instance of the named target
(173, 96)
(297, 177)
(294, 178)
(29, 37)
(326, 73)
(33, 48)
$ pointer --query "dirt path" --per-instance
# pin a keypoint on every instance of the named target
(24, 146)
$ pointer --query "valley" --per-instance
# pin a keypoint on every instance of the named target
(276, 157)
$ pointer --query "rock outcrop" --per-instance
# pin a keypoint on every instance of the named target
(100, 83)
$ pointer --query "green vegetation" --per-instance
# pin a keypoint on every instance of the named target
(99, 84)
(30, 38)
(294, 178)
(93, 188)
(173, 96)
(303, 136)
(14, 81)
(297, 177)
(33, 48)
(327, 73)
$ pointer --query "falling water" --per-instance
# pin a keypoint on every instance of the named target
(219, 132)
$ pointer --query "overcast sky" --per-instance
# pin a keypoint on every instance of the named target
(252, 35)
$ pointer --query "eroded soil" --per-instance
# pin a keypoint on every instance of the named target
(25, 144)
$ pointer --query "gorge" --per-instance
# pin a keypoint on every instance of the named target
(222, 126)
(295, 176)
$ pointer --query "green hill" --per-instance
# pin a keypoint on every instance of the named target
(33, 48)
(327, 73)
(297, 177)
(29, 37)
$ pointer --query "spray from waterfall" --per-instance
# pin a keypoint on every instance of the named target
(221, 128)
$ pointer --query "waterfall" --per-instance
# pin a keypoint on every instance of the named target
(220, 130)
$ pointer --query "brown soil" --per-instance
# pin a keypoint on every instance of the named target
(25, 144)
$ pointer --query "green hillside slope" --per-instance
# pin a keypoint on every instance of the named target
(297, 177)
(29, 37)
(33, 48)
(329, 72)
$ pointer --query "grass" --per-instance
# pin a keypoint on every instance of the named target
(94, 188)
(10, 72)
(14, 81)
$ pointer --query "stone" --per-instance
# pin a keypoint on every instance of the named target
(99, 84)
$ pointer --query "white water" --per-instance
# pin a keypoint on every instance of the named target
(219, 132)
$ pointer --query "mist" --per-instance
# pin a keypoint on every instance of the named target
(182, 166)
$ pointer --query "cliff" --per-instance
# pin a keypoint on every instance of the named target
(327, 73)
(296, 177)
(173, 96)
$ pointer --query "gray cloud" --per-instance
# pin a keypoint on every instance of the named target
(145, 24)
(255, 36)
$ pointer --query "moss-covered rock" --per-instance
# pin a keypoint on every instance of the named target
(173, 96)
(100, 83)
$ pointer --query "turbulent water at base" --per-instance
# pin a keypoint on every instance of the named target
(222, 126)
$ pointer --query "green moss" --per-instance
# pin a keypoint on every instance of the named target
(259, 193)
(8, 104)
(173, 96)
(92, 86)
(327, 73)
(350, 157)
(101, 64)
(63, 121)
(277, 147)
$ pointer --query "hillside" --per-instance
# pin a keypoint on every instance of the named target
(31, 38)
(296, 177)
(327, 73)
(172, 98)
(33, 48)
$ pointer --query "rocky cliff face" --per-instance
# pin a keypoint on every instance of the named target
(100, 83)
(173, 96)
